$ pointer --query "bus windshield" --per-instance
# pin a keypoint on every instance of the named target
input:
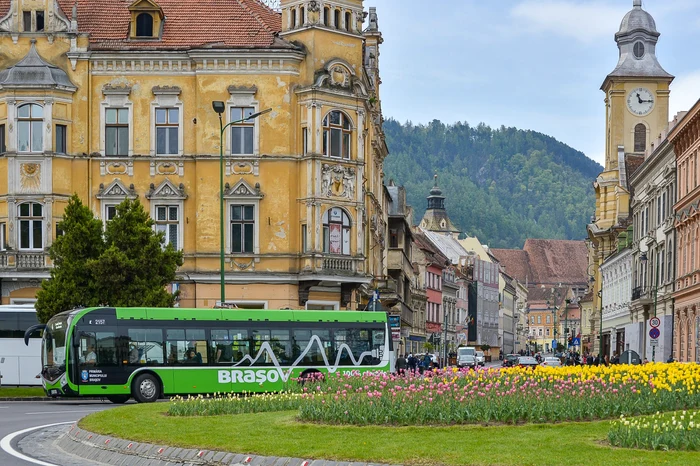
(53, 351)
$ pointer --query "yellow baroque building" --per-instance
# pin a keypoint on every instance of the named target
(113, 100)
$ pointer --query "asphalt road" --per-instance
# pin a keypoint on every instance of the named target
(17, 416)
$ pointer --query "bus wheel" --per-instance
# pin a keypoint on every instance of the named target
(118, 399)
(145, 388)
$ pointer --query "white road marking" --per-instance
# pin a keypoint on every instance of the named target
(67, 412)
(6, 443)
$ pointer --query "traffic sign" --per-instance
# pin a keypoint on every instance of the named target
(655, 322)
(654, 333)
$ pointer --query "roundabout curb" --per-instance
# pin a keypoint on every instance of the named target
(110, 450)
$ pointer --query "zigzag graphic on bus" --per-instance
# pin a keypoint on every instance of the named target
(265, 348)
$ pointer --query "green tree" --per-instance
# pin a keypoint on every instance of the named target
(71, 283)
(127, 266)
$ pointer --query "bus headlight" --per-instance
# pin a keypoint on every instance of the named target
(63, 381)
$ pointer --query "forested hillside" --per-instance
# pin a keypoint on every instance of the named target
(503, 185)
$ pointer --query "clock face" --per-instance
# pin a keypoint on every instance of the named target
(640, 101)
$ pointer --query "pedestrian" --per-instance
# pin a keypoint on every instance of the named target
(412, 362)
(426, 363)
(606, 360)
(670, 359)
(401, 364)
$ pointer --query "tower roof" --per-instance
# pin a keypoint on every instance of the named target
(636, 19)
(33, 72)
(435, 218)
(636, 41)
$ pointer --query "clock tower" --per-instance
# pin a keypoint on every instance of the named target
(636, 111)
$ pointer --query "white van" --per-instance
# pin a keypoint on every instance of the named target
(466, 356)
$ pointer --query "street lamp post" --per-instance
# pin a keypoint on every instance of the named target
(643, 257)
(219, 107)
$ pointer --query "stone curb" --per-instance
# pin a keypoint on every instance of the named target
(116, 451)
(48, 398)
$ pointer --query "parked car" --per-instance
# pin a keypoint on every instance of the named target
(551, 362)
(527, 361)
(466, 360)
(510, 360)
(480, 358)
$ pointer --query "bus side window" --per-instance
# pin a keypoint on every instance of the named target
(281, 346)
(175, 346)
(98, 349)
(196, 343)
(145, 346)
(221, 348)
(257, 337)
(239, 344)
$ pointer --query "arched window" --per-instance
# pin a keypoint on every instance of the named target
(326, 16)
(302, 16)
(336, 231)
(336, 18)
(348, 21)
(294, 17)
(336, 135)
(682, 345)
(670, 260)
(144, 25)
(640, 138)
(31, 225)
(689, 341)
(30, 122)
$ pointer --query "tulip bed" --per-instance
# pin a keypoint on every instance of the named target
(674, 431)
(513, 395)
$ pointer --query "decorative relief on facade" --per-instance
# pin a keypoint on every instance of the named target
(116, 190)
(340, 76)
(243, 189)
(234, 167)
(117, 168)
(116, 89)
(167, 190)
(337, 181)
(29, 177)
(166, 90)
(242, 90)
(243, 265)
(313, 6)
(167, 168)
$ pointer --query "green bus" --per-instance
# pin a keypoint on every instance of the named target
(147, 353)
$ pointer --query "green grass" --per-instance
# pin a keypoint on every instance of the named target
(21, 392)
(279, 434)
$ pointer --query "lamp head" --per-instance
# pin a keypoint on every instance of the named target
(218, 106)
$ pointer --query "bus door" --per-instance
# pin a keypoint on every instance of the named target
(95, 351)
(188, 351)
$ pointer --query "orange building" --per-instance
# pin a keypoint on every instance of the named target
(685, 138)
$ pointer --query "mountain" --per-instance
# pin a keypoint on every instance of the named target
(502, 185)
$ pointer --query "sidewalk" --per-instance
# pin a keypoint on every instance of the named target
(110, 450)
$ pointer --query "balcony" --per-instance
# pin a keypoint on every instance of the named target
(397, 260)
(23, 260)
(337, 264)
(642, 294)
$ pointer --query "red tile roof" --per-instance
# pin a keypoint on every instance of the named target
(516, 263)
(557, 261)
(188, 24)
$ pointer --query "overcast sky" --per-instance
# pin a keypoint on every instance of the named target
(532, 64)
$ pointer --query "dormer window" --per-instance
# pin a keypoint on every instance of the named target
(144, 25)
(146, 20)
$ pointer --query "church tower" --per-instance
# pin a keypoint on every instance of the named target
(636, 111)
(435, 218)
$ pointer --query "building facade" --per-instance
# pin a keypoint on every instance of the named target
(636, 110)
(113, 100)
(619, 334)
(653, 185)
(685, 138)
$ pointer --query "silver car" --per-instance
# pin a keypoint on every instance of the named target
(480, 358)
(466, 360)
(551, 362)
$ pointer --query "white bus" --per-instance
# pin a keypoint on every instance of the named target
(20, 364)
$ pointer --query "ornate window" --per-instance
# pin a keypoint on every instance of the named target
(167, 131)
(638, 50)
(30, 122)
(117, 132)
(549, 319)
(336, 231)
(337, 135)
(539, 319)
(243, 207)
(31, 226)
(61, 139)
(348, 21)
(242, 228)
(242, 133)
(168, 221)
(640, 137)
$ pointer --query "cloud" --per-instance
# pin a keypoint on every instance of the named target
(685, 91)
(584, 22)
